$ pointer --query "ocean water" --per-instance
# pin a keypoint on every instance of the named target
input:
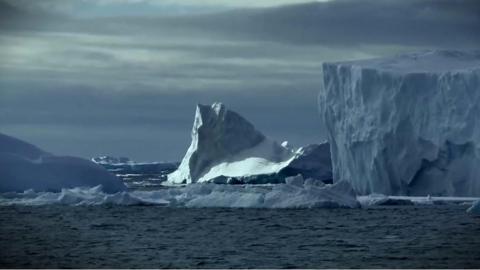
(119, 236)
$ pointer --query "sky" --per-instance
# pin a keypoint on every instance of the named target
(123, 77)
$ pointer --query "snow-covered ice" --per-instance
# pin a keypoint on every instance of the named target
(200, 195)
(405, 125)
(24, 166)
(224, 144)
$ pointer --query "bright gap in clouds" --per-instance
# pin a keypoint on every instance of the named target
(109, 8)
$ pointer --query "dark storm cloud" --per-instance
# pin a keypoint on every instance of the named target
(351, 22)
(439, 23)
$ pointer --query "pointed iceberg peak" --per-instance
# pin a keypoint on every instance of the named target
(225, 129)
(217, 108)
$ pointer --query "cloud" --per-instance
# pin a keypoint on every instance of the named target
(114, 85)
(436, 23)
(431, 23)
(102, 8)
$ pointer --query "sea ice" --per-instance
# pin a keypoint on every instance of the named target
(199, 195)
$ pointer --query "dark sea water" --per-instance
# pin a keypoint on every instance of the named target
(57, 236)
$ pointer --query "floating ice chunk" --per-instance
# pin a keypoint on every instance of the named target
(199, 195)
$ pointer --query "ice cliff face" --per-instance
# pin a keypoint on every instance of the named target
(407, 124)
(24, 166)
(224, 144)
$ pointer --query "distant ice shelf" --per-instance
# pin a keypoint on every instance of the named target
(124, 166)
(405, 125)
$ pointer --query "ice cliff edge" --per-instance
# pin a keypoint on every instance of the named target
(406, 125)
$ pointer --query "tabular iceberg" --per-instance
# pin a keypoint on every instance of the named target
(225, 145)
(24, 166)
(406, 125)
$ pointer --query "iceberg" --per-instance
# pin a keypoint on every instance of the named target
(405, 125)
(226, 148)
(24, 166)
